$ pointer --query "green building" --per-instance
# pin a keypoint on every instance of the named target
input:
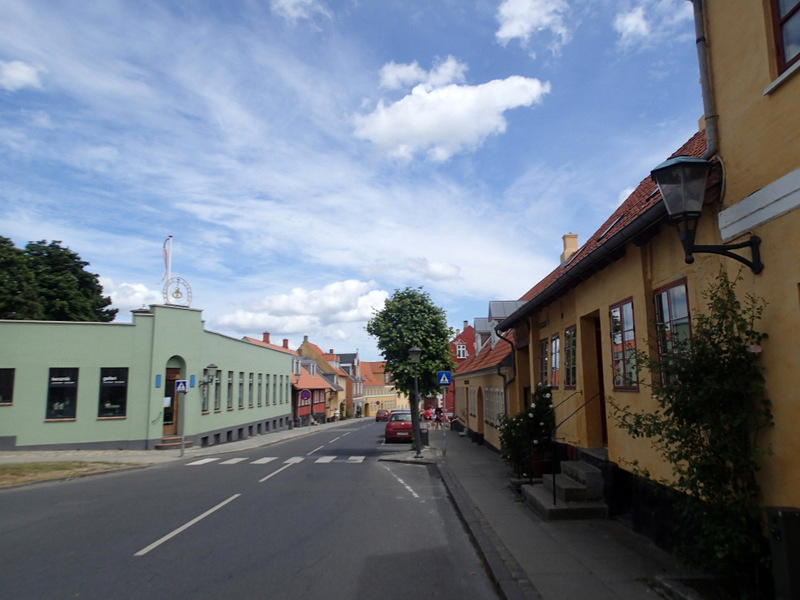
(138, 385)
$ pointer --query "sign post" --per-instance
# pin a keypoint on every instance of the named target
(444, 378)
(181, 387)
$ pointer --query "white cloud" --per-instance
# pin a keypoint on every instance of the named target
(653, 22)
(309, 311)
(519, 19)
(16, 75)
(129, 296)
(632, 26)
(443, 121)
(294, 10)
(395, 76)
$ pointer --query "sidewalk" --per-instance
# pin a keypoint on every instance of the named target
(528, 558)
(556, 560)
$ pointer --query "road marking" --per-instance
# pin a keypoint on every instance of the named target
(325, 459)
(265, 460)
(288, 463)
(403, 483)
(334, 439)
(184, 527)
(314, 450)
(202, 461)
(356, 459)
(233, 461)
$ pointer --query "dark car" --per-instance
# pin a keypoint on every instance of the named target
(398, 427)
(382, 415)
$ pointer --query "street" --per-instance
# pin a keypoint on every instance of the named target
(313, 517)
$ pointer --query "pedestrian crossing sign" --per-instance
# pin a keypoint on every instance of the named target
(181, 386)
(444, 377)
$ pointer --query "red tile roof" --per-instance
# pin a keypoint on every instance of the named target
(487, 357)
(636, 214)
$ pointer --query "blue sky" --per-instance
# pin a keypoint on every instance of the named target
(309, 157)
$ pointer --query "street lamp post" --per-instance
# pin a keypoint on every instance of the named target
(414, 355)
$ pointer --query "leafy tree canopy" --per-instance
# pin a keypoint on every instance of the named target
(409, 318)
(49, 282)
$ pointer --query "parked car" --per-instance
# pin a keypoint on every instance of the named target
(398, 427)
(382, 415)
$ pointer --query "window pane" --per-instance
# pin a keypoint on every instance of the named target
(6, 386)
(113, 392)
(786, 5)
(62, 396)
(791, 38)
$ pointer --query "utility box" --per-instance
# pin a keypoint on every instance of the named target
(784, 539)
(424, 435)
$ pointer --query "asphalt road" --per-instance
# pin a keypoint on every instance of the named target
(313, 517)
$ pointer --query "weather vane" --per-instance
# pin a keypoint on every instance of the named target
(176, 290)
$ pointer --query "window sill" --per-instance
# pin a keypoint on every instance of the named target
(204, 412)
(111, 418)
(626, 389)
(64, 420)
(6, 404)
(781, 79)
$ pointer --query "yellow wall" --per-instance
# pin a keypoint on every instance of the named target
(759, 136)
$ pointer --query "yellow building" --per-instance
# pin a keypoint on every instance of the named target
(579, 326)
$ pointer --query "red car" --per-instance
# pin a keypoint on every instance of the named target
(382, 415)
(398, 427)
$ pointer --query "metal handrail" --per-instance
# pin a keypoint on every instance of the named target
(553, 439)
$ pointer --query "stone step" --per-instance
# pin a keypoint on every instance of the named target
(570, 490)
(583, 472)
(540, 500)
(172, 442)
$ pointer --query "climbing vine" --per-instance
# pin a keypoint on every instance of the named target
(711, 407)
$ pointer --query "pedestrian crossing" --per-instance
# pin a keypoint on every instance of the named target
(322, 460)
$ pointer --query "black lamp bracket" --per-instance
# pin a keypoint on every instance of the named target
(686, 235)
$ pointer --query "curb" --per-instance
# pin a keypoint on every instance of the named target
(502, 568)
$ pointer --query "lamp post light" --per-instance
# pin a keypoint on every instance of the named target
(414, 355)
(681, 180)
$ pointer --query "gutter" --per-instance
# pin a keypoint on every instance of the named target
(507, 382)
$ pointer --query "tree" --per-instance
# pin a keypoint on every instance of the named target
(18, 298)
(49, 282)
(409, 318)
(710, 391)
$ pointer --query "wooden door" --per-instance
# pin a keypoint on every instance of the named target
(171, 412)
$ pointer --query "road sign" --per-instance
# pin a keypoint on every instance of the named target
(444, 377)
(181, 386)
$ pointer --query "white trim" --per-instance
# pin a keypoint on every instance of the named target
(780, 79)
(776, 199)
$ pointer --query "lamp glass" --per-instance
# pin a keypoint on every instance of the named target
(414, 354)
(682, 183)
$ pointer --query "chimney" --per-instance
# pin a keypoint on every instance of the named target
(286, 343)
(330, 351)
(265, 337)
(305, 339)
(466, 324)
(570, 246)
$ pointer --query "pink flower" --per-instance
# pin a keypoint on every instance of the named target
(755, 349)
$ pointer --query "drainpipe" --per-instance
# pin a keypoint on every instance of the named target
(508, 382)
(709, 105)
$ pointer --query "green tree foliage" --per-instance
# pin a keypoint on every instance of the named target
(711, 397)
(409, 318)
(49, 282)
(18, 298)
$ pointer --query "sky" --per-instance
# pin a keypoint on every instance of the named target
(310, 157)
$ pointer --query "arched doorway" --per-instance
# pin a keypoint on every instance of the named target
(172, 399)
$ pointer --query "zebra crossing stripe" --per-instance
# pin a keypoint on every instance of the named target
(265, 460)
(325, 459)
(233, 461)
(202, 461)
(356, 459)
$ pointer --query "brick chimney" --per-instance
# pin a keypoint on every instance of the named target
(265, 337)
(570, 246)
(286, 343)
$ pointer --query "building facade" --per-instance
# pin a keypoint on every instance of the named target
(68, 385)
